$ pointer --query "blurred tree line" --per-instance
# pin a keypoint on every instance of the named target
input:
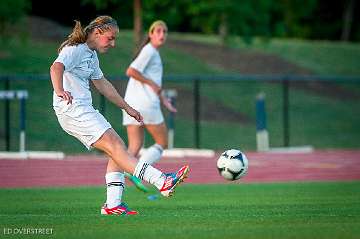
(310, 19)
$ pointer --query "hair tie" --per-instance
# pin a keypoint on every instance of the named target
(154, 24)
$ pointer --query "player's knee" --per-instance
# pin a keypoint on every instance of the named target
(115, 145)
(116, 149)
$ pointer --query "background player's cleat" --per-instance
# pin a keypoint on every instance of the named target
(137, 182)
(122, 209)
(172, 180)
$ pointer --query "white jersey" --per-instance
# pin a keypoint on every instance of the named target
(148, 63)
(81, 64)
(80, 119)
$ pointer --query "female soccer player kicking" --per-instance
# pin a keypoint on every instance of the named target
(77, 64)
(143, 93)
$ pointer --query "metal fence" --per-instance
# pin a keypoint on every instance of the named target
(206, 101)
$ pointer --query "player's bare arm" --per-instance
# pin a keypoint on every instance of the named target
(131, 72)
(109, 91)
(56, 74)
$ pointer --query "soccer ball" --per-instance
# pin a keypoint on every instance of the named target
(232, 164)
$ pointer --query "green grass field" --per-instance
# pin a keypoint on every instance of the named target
(278, 210)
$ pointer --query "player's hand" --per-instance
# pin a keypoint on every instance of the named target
(65, 95)
(135, 114)
(168, 105)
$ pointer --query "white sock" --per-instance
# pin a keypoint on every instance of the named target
(152, 154)
(115, 185)
(146, 172)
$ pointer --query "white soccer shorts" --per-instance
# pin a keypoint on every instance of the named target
(84, 123)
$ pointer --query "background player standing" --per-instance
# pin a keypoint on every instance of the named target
(144, 93)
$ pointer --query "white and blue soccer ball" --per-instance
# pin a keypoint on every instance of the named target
(232, 164)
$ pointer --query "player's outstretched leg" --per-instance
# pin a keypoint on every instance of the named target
(150, 156)
(165, 182)
(172, 180)
(137, 182)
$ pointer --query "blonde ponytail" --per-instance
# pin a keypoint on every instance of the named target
(77, 36)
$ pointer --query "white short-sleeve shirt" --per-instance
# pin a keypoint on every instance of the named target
(81, 65)
(148, 63)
